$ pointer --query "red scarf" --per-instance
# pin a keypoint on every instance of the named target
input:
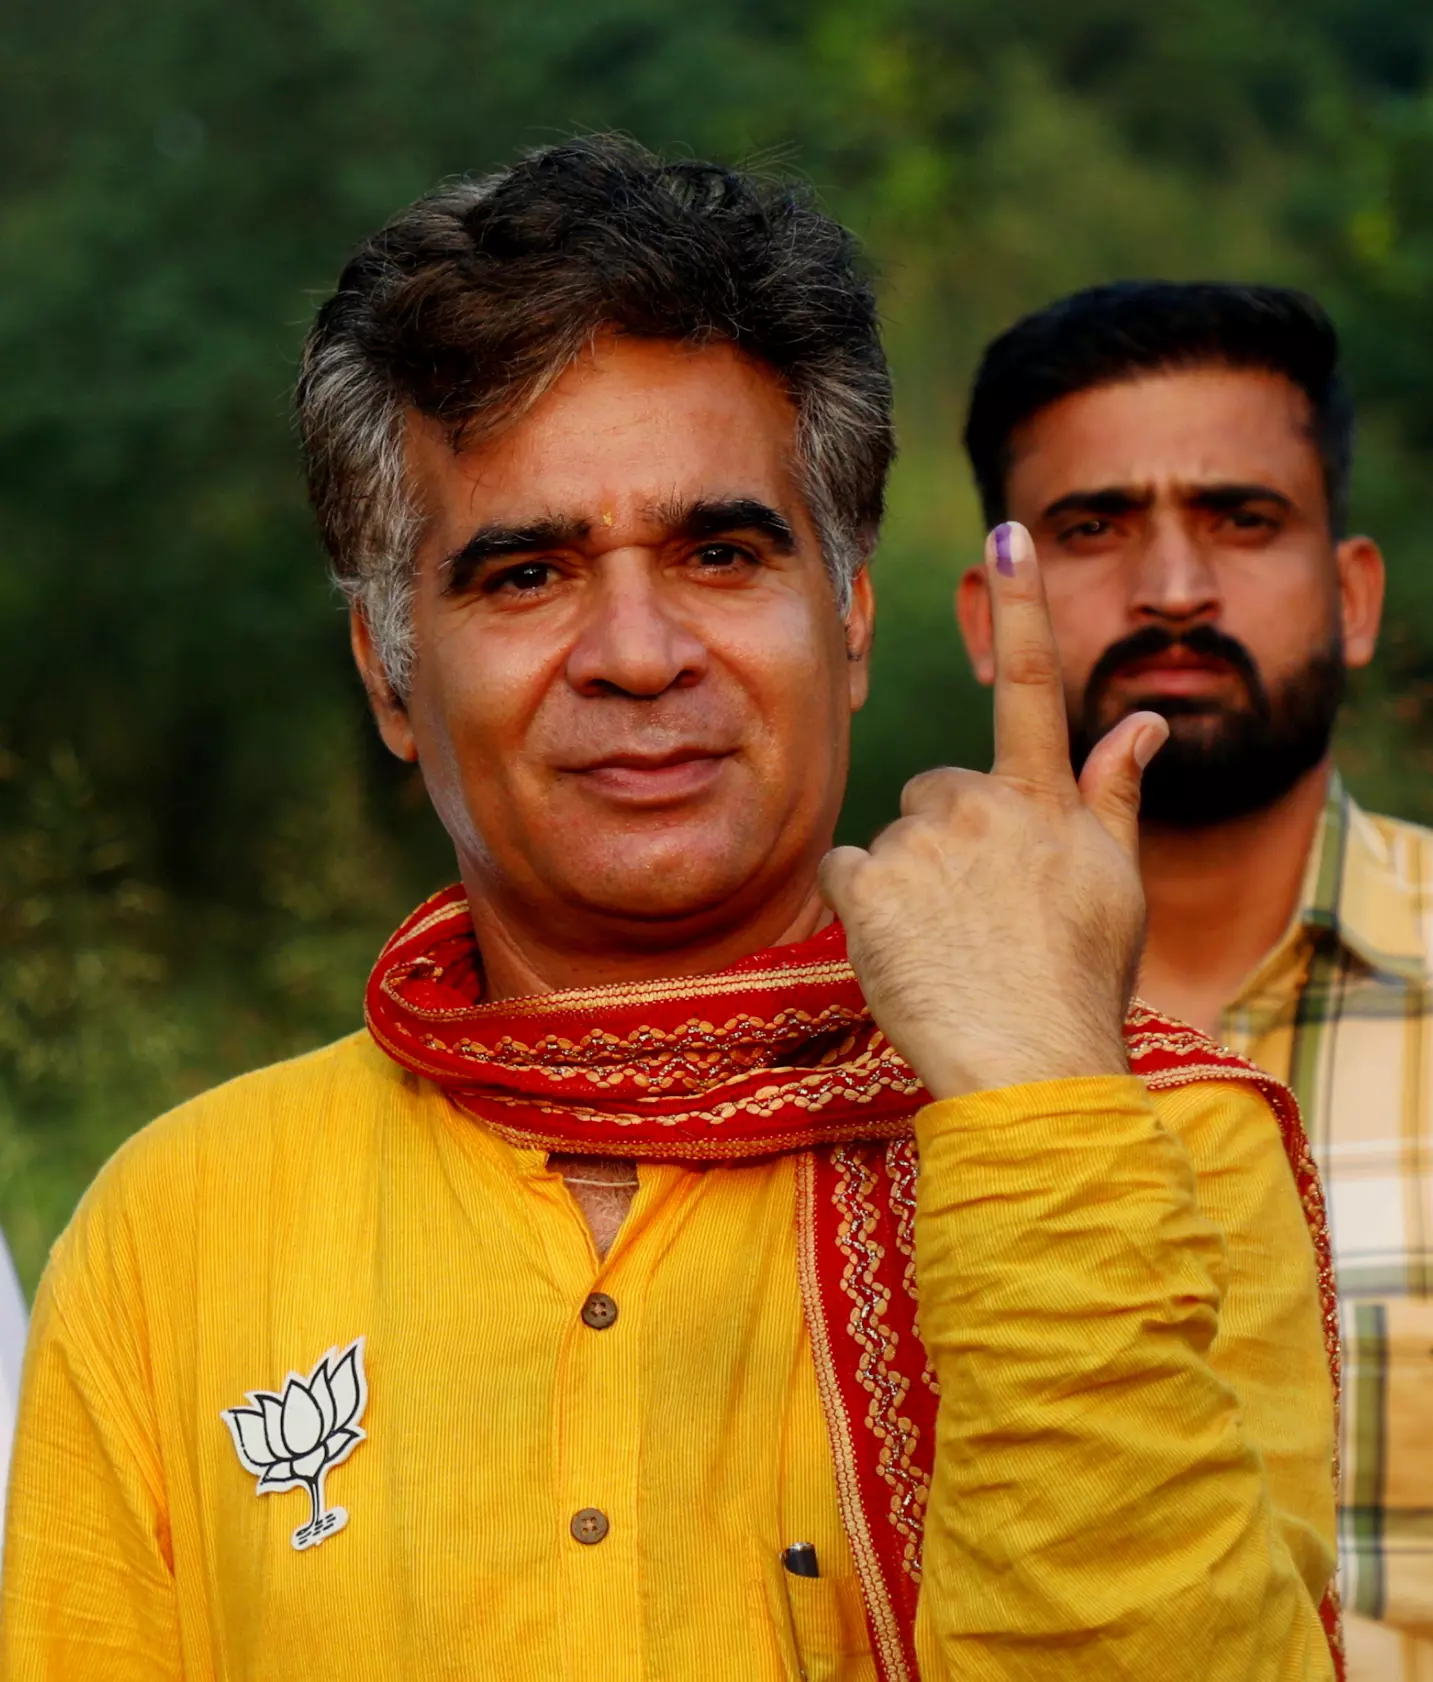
(776, 1053)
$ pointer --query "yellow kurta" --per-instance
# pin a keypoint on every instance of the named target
(1070, 1290)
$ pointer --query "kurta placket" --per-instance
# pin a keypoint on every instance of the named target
(597, 1412)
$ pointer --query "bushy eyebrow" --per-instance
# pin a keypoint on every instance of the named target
(702, 519)
(690, 522)
(1220, 499)
(497, 542)
(1122, 499)
(1110, 499)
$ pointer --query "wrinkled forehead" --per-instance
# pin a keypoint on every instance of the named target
(1169, 434)
(629, 433)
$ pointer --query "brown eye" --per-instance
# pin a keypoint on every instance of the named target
(721, 555)
(1091, 528)
(530, 575)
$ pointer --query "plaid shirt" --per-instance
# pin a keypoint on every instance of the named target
(1342, 1009)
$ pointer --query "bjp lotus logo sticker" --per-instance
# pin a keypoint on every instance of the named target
(297, 1438)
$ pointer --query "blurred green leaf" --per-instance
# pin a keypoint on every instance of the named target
(201, 842)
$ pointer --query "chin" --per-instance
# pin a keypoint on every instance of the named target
(664, 888)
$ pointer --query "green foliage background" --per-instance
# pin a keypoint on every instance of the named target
(200, 843)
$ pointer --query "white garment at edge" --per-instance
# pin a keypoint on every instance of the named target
(13, 1324)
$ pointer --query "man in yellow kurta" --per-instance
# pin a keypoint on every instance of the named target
(645, 1294)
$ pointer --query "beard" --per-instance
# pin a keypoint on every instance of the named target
(1222, 761)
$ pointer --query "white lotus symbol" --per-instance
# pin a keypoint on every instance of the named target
(294, 1438)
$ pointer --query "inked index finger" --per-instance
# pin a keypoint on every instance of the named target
(1032, 742)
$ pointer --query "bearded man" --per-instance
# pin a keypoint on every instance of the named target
(585, 1279)
(1181, 454)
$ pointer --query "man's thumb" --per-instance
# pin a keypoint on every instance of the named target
(1110, 781)
(834, 876)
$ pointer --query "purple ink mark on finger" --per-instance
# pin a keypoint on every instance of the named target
(1004, 559)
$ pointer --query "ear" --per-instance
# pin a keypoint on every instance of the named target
(972, 613)
(1361, 579)
(860, 634)
(389, 712)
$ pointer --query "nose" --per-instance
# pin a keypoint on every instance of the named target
(633, 642)
(1176, 583)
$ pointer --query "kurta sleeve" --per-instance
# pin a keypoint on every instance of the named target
(1270, 1348)
(88, 1592)
(1099, 1507)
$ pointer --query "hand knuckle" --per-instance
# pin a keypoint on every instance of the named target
(928, 788)
(1033, 664)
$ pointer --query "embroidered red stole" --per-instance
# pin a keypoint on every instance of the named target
(856, 1244)
(775, 1054)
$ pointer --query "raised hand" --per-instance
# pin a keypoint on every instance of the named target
(996, 925)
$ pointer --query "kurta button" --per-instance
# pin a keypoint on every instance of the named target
(599, 1311)
(590, 1525)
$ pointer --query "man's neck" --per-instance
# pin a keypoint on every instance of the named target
(1219, 900)
(521, 957)
(520, 960)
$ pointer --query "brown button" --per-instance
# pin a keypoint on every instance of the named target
(590, 1525)
(599, 1311)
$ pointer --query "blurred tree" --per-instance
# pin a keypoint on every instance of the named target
(200, 841)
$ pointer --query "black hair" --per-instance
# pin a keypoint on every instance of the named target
(1117, 332)
(473, 300)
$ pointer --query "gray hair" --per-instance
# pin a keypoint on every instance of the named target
(472, 302)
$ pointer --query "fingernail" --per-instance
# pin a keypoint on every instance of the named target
(1004, 551)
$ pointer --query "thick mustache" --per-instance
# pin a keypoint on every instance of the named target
(1148, 643)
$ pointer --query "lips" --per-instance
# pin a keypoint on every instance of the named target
(652, 779)
(1176, 672)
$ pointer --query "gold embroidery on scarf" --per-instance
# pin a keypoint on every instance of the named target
(878, 1341)
(903, 1166)
(693, 1147)
(587, 1000)
(686, 1058)
(867, 1079)
(811, 1093)
(884, 1620)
